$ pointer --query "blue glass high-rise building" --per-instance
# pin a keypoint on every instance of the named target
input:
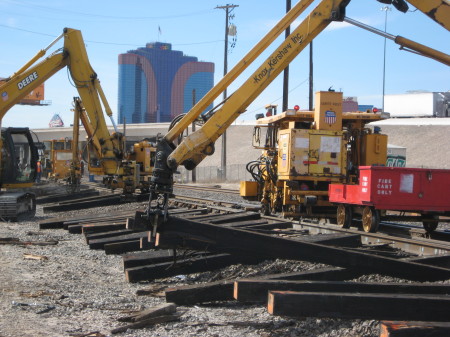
(157, 83)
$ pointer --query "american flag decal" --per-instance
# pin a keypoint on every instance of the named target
(330, 117)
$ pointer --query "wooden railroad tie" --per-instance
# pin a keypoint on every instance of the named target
(407, 328)
(224, 290)
(352, 305)
(256, 290)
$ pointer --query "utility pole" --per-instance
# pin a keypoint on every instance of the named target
(386, 9)
(194, 101)
(286, 70)
(311, 76)
(228, 9)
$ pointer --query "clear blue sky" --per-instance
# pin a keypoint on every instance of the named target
(346, 57)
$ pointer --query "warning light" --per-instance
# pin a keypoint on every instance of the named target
(296, 107)
(375, 110)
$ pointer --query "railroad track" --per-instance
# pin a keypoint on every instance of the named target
(251, 222)
(106, 196)
(396, 237)
(391, 228)
(88, 199)
(217, 236)
(100, 187)
(215, 188)
(423, 246)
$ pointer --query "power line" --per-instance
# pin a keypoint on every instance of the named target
(275, 100)
(193, 43)
(103, 42)
(61, 10)
(27, 31)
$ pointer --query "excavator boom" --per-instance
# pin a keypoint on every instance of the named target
(195, 147)
(19, 85)
(237, 70)
(192, 150)
(437, 10)
(73, 56)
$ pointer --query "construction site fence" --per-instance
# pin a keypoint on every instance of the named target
(204, 174)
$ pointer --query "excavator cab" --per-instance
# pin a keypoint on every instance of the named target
(19, 158)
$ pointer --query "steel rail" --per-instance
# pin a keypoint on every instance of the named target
(213, 189)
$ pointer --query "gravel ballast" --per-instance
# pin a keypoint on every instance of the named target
(73, 291)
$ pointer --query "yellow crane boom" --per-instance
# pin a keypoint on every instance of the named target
(73, 55)
(192, 150)
(195, 147)
(437, 10)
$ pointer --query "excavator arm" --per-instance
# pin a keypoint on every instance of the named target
(80, 114)
(16, 87)
(437, 10)
(94, 101)
(73, 56)
(195, 147)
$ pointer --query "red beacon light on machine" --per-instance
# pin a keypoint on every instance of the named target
(292, 112)
(373, 110)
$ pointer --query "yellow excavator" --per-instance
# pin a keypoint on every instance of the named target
(133, 172)
(90, 108)
(195, 147)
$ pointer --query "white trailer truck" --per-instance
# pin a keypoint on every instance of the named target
(418, 104)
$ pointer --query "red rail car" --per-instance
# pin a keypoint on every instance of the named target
(424, 191)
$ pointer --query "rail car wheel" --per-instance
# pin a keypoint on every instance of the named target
(344, 216)
(429, 222)
(370, 219)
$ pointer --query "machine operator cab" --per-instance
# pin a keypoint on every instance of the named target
(18, 158)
